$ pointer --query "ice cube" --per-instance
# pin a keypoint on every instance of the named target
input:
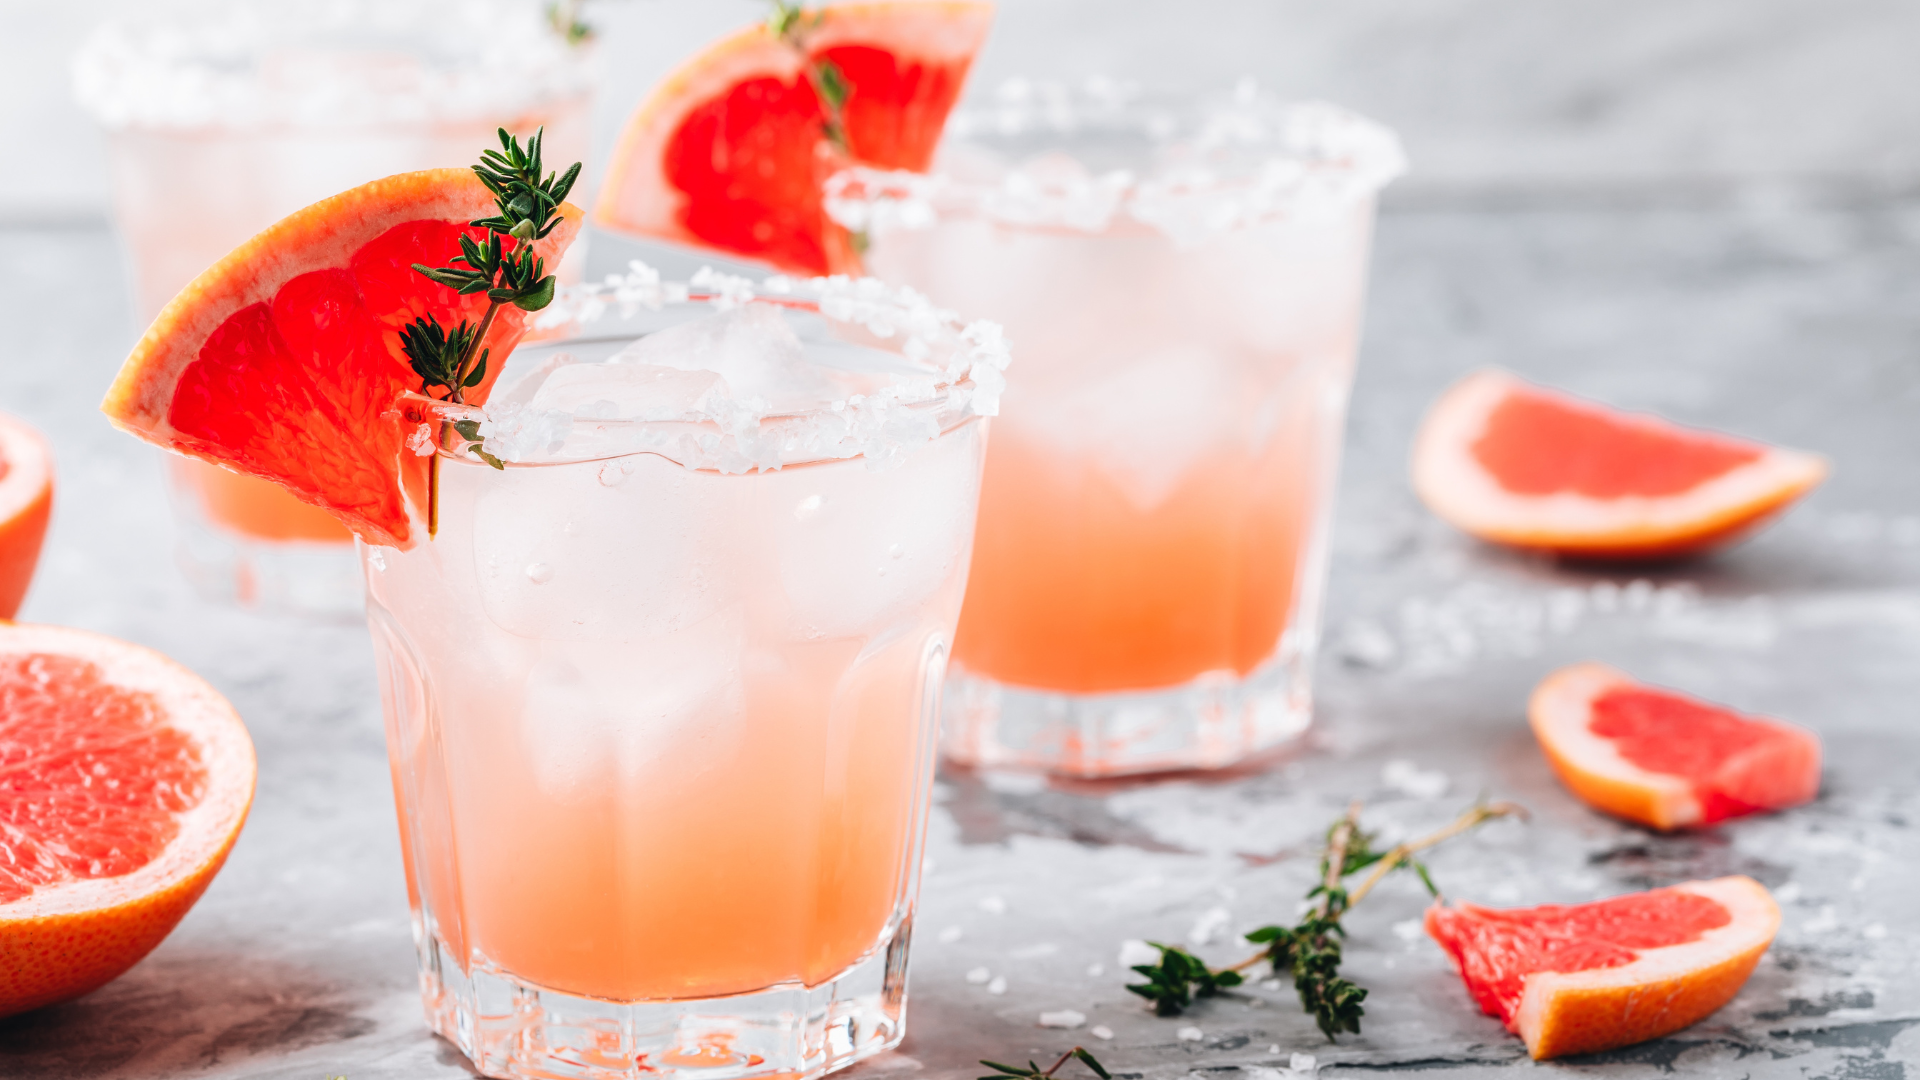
(751, 347)
(629, 391)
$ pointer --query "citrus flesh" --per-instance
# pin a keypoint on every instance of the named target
(1664, 759)
(124, 780)
(1580, 978)
(26, 502)
(283, 361)
(731, 150)
(1519, 464)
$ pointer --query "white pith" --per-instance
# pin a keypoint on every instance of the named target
(1755, 918)
(1560, 711)
(637, 195)
(191, 706)
(1458, 488)
(26, 468)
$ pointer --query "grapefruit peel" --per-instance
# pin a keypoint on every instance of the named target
(1776, 773)
(1460, 489)
(1662, 990)
(26, 502)
(638, 196)
(324, 236)
(65, 939)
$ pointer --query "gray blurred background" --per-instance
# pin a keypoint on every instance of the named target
(1497, 99)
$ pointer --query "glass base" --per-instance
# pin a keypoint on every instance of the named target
(510, 1028)
(310, 579)
(1214, 721)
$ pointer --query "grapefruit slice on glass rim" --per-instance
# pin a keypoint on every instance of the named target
(1662, 758)
(1580, 978)
(1518, 464)
(26, 501)
(124, 779)
(731, 151)
(283, 360)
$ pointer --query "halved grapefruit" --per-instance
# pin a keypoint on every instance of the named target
(1580, 978)
(731, 150)
(1519, 464)
(124, 779)
(1665, 759)
(26, 501)
(283, 360)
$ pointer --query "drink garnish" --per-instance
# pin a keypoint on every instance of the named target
(1033, 1071)
(1309, 952)
(446, 360)
(791, 23)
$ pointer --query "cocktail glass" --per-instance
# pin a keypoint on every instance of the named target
(221, 124)
(1183, 282)
(662, 693)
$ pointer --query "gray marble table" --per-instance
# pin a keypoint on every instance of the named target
(1796, 322)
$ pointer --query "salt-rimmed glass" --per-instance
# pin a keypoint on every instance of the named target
(1183, 282)
(223, 121)
(662, 691)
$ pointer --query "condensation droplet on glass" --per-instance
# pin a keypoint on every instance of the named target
(539, 573)
(613, 472)
(808, 507)
(377, 559)
(896, 551)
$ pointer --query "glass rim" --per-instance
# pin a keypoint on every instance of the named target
(935, 398)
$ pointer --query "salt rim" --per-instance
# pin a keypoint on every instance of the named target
(1215, 166)
(958, 376)
(344, 63)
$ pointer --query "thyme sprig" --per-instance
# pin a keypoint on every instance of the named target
(1310, 952)
(791, 23)
(1034, 1072)
(527, 208)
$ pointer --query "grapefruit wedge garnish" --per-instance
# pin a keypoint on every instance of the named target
(733, 149)
(1665, 759)
(1519, 464)
(1580, 978)
(26, 501)
(124, 779)
(283, 360)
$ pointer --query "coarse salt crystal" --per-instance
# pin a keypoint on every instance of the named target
(950, 935)
(1134, 952)
(1100, 1031)
(1190, 1034)
(979, 975)
(1096, 970)
(1065, 1018)
(993, 905)
(998, 985)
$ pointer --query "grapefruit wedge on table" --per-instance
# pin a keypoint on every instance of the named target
(283, 360)
(731, 151)
(1665, 759)
(26, 501)
(1580, 978)
(124, 780)
(1519, 464)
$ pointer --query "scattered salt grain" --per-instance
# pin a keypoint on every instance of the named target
(979, 975)
(998, 985)
(1208, 925)
(1190, 1034)
(1096, 970)
(1409, 779)
(1408, 930)
(1826, 921)
(1100, 1031)
(1874, 931)
(993, 905)
(950, 935)
(1065, 1018)
(1134, 952)
(1035, 951)
(1788, 893)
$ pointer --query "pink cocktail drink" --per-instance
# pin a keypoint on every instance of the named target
(1184, 284)
(663, 691)
(223, 120)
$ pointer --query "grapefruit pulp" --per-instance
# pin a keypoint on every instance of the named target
(26, 501)
(1665, 759)
(1518, 464)
(1576, 979)
(124, 780)
(731, 151)
(283, 360)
